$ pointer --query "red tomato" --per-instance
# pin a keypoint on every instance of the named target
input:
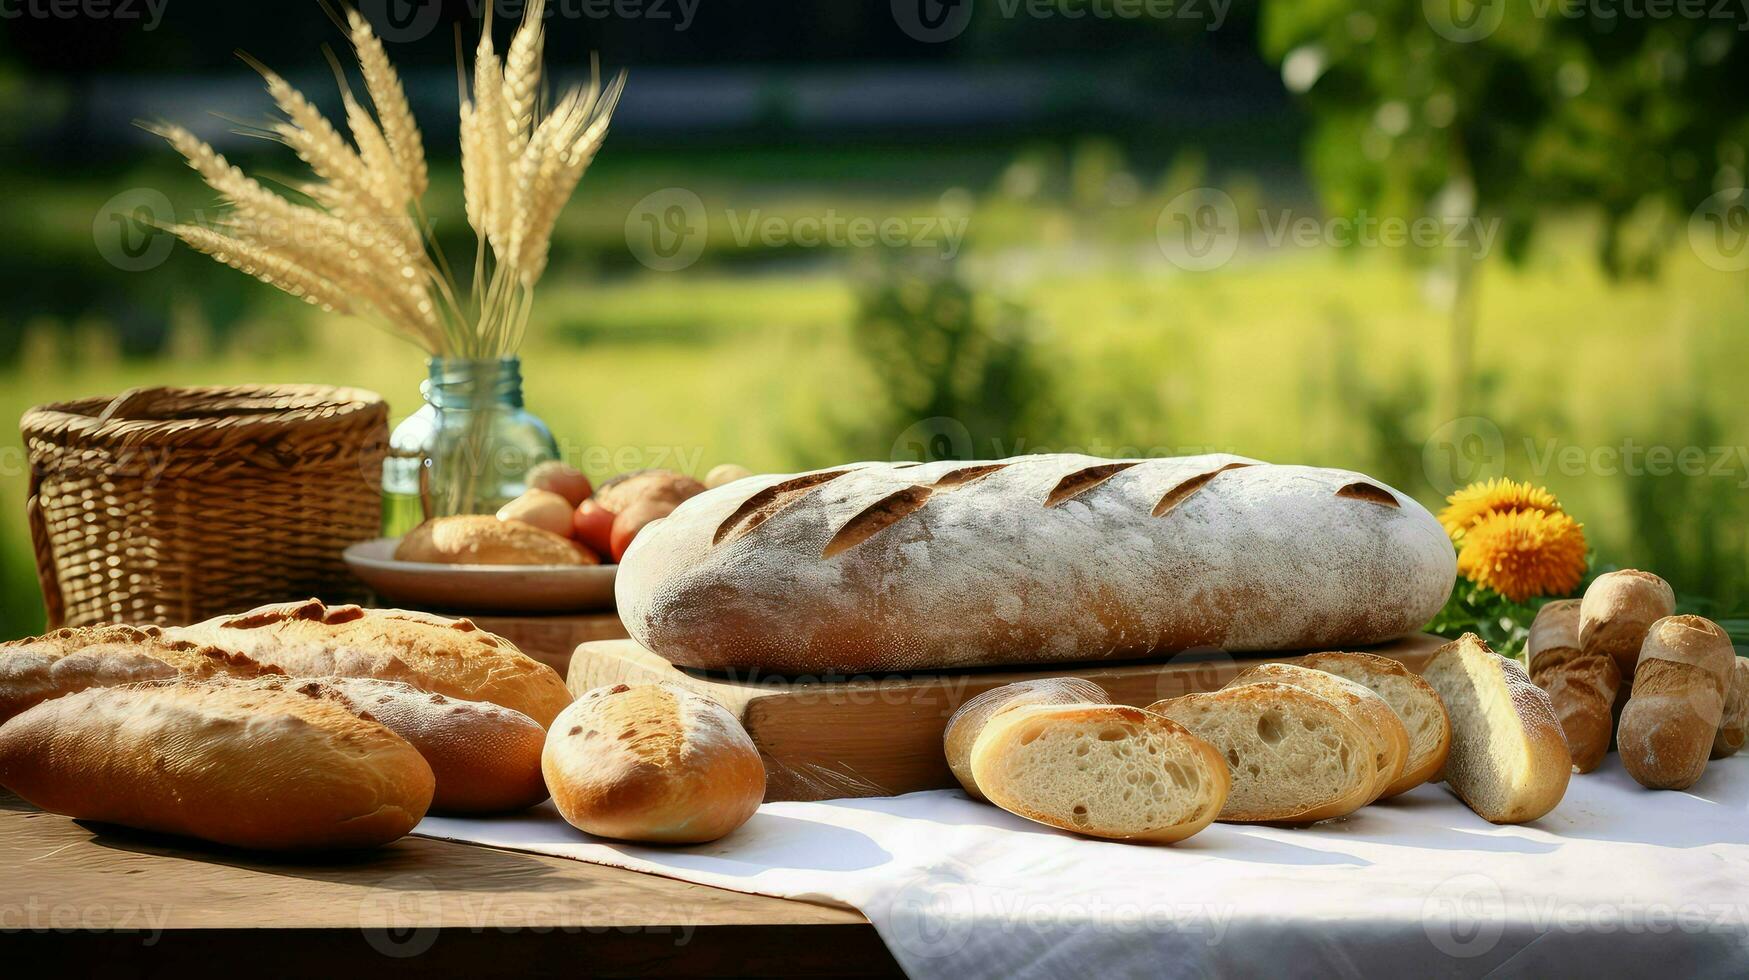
(592, 524)
(627, 525)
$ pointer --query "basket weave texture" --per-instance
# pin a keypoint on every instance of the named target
(172, 505)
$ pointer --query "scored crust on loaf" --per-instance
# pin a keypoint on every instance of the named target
(482, 539)
(1509, 760)
(1294, 757)
(1035, 559)
(1416, 703)
(69, 660)
(1389, 738)
(1101, 770)
(453, 657)
(969, 720)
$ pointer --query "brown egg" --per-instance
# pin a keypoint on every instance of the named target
(566, 481)
(725, 473)
(542, 508)
(627, 525)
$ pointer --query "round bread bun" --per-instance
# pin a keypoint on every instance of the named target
(664, 486)
(1617, 611)
(481, 539)
(653, 763)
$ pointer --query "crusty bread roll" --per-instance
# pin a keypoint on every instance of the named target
(452, 657)
(967, 722)
(255, 768)
(1035, 559)
(1101, 770)
(1413, 699)
(1509, 760)
(70, 660)
(1293, 757)
(1386, 732)
(1672, 718)
(1734, 720)
(652, 763)
(481, 539)
(627, 490)
(486, 758)
(1618, 608)
(1582, 686)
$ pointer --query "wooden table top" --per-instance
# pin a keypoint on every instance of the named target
(79, 898)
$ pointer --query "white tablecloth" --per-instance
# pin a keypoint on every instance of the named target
(1616, 879)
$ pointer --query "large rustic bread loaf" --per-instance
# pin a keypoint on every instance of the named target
(1036, 559)
(652, 762)
(1509, 760)
(1386, 732)
(70, 660)
(255, 768)
(1673, 717)
(1414, 700)
(1293, 757)
(968, 722)
(1734, 721)
(452, 657)
(1102, 770)
(1582, 685)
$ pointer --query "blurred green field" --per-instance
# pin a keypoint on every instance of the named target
(1316, 356)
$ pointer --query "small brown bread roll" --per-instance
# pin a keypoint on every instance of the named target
(1618, 609)
(254, 768)
(1672, 718)
(1102, 770)
(481, 539)
(1413, 699)
(1734, 722)
(1582, 686)
(70, 660)
(662, 486)
(452, 657)
(1386, 732)
(486, 758)
(967, 722)
(652, 763)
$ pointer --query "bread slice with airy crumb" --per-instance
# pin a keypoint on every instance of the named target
(1509, 760)
(1101, 770)
(1294, 757)
(968, 722)
(1390, 740)
(1413, 699)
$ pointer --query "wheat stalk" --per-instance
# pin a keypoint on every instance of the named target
(390, 99)
(522, 76)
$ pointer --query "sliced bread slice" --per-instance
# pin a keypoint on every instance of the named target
(1508, 760)
(1294, 757)
(966, 723)
(1390, 740)
(1413, 699)
(1101, 770)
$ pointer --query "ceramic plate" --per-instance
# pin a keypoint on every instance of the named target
(480, 588)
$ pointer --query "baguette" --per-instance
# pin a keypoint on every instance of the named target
(1618, 608)
(1036, 559)
(1389, 738)
(652, 763)
(1293, 757)
(1673, 716)
(1413, 699)
(1582, 686)
(1509, 760)
(964, 726)
(485, 758)
(1734, 721)
(452, 657)
(70, 660)
(481, 539)
(247, 767)
(1101, 770)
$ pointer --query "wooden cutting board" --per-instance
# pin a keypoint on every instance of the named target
(880, 735)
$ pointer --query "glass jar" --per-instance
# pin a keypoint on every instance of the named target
(467, 450)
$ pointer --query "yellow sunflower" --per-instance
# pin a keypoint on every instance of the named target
(1524, 553)
(1476, 501)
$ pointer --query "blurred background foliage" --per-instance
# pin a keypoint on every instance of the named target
(1593, 330)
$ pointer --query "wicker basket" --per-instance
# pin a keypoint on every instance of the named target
(170, 505)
